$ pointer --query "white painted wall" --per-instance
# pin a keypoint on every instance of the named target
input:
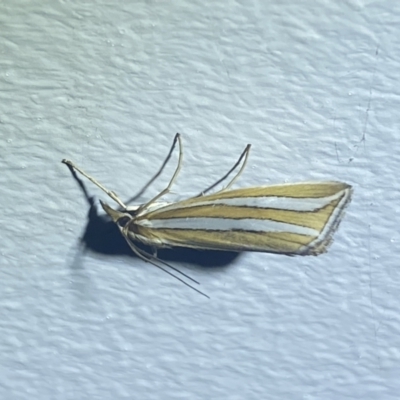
(313, 85)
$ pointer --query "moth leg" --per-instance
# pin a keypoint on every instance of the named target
(244, 155)
(156, 175)
(110, 193)
(178, 168)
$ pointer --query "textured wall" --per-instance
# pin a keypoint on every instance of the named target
(314, 86)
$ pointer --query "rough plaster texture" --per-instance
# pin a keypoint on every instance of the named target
(313, 85)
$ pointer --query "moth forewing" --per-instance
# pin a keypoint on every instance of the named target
(289, 219)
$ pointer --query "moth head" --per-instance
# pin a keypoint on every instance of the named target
(119, 217)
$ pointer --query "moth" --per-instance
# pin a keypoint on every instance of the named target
(290, 219)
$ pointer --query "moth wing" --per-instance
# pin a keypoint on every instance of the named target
(289, 219)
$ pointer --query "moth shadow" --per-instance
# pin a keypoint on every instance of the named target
(103, 236)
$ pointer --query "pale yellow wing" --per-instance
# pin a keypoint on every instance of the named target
(291, 219)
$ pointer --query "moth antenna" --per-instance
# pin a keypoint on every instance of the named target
(145, 254)
(149, 258)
